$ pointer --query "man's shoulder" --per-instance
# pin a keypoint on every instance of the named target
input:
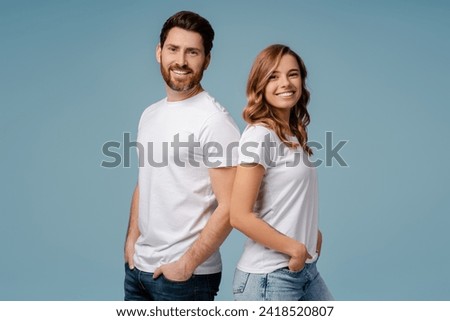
(150, 111)
(156, 105)
(214, 111)
(208, 104)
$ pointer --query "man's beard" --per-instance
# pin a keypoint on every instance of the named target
(186, 85)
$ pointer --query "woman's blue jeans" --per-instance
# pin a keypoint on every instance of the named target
(281, 285)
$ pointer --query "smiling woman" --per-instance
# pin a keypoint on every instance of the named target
(284, 87)
(277, 94)
(273, 202)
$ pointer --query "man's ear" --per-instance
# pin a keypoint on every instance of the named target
(158, 53)
(207, 60)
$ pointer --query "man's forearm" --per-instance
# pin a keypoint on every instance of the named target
(213, 235)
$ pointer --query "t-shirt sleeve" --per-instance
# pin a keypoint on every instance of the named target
(219, 139)
(257, 146)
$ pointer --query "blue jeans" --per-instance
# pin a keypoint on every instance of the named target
(140, 286)
(281, 285)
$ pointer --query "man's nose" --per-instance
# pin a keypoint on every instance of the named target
(181, 59)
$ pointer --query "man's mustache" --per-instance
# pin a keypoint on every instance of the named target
(180, 68)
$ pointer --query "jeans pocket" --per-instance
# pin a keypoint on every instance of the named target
(127, 268)
(240, 281)
(285, 270)
(163, 277)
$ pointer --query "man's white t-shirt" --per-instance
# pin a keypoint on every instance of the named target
(177, 143)
(287, 198)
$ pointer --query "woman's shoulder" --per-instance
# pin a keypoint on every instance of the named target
(258, 128)
(258, 132)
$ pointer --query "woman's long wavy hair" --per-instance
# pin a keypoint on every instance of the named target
(259, 111)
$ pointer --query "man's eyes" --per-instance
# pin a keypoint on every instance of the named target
(190, 52)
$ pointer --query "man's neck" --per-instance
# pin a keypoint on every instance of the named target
(173, 95)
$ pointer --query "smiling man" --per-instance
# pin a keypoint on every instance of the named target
(180, 211)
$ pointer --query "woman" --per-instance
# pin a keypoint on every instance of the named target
(274, 199)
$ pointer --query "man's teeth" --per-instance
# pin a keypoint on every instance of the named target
(286, 94)
(179, 72)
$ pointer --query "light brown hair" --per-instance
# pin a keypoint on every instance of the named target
(259, 111)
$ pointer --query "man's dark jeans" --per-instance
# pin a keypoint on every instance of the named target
(140, 286)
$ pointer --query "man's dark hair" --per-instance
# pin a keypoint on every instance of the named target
(190, 21)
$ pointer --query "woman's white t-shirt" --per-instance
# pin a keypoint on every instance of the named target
(287, 199)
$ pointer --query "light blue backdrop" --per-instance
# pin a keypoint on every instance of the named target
(76, 74)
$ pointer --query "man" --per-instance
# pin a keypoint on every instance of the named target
(180, 207)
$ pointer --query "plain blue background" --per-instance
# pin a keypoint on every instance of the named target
(76, 74)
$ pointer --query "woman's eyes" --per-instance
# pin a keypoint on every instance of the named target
(291, 75)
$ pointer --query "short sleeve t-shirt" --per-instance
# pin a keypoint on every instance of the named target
(287, 199)
(177, 143)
